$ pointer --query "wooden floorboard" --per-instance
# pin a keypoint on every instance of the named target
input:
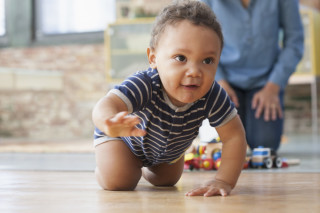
(78, 192)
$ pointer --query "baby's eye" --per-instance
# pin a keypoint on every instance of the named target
(180, 58)
(208, 61)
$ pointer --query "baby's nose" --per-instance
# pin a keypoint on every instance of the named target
(194, 71)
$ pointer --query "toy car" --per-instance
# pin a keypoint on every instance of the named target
(265, 157)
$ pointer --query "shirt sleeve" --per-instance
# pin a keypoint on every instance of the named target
(293, 37)
(135, 91)
(222, 110)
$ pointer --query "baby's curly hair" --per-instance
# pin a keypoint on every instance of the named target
(196, 12)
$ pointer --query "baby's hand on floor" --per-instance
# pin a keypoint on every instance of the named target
(211, 188)
(122, 125)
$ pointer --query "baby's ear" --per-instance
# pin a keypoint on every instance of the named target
(152, 58)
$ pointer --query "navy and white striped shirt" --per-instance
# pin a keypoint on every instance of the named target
(170, 129)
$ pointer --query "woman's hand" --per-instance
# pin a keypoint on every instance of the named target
(267, 101)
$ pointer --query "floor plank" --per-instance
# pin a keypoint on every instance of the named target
(78, 192)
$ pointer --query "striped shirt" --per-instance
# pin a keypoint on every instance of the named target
(170, 129)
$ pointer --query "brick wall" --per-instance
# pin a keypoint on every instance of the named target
(32, 109)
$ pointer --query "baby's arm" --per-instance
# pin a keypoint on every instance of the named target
(233, 155)
(110, 116)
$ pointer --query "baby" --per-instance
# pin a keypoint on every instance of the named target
(145, 125)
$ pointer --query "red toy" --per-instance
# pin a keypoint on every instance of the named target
(193, 161)
(206, 157)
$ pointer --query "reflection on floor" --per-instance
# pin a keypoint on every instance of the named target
(302, 147)
(51, 192)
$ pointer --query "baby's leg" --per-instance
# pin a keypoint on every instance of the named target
(117, 167)
(164, 174)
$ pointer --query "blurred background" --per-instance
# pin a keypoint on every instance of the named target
(58, 57)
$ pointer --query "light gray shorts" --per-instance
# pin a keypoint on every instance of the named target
(104, 139)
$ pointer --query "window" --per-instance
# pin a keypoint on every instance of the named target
(2, 18)
(48, 22)
(73, 16)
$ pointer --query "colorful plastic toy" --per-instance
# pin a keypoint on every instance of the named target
(193, 161)
(208, 157)
(264, 157)
(205, 157)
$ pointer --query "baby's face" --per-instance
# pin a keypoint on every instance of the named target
(186, 57)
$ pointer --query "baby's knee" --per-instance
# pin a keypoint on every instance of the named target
(116, 182)
(169, 182)
(163, 181)
(117, 185)
(164, 174)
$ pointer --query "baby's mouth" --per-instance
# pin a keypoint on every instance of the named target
(191, 86)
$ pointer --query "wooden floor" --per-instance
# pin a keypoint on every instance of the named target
(78, 192)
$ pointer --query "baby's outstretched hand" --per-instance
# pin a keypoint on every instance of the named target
(122, 125)
(211, 188)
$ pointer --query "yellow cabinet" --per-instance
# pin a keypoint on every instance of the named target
(310, 63)
(308, 70)
(126, 47)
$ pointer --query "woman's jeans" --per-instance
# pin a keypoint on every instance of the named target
(258, 131)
